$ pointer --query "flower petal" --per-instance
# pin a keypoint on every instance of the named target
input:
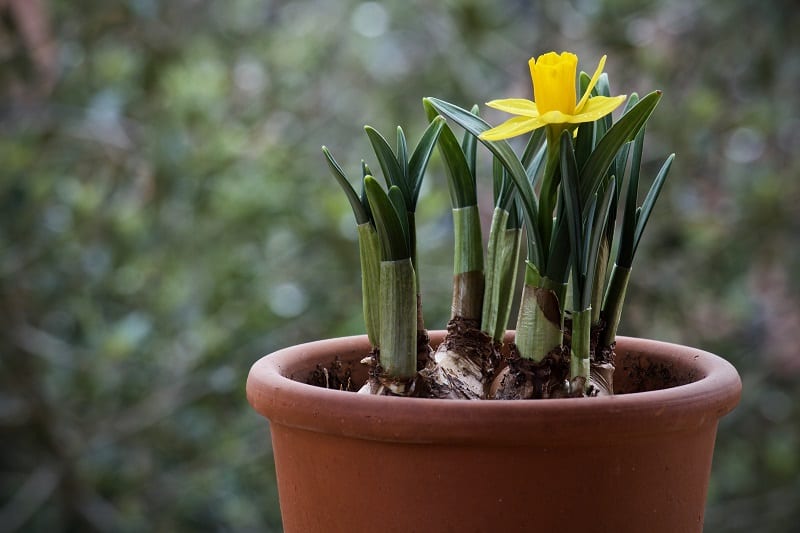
(555, 117)
(592, 83)
(516, 106)
(511, 128)
(553, 78)
(597, 107)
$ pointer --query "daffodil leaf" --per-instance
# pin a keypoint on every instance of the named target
(399, 204)
(584, 142)
(498, 180)
(586, 240)
(628, 230)
(559, 257)
(422, 155)
(612, 216)
(621, 160)
(570, 188)
(603, 89)
(460, 179)
(586, 137)
(593, 172)
(365, 171)
(533, 155)
(362, 215)
(392, 171)
(583, 82)
(469, 144)
(633, 99)
(503, 187)
(402, 151)
(516, 171)
(394, 245)
(515, 216)
(600, 221)
(650, 200)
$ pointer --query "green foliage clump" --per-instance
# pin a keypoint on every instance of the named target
(155, 156)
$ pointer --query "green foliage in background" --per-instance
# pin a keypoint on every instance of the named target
(153, 242)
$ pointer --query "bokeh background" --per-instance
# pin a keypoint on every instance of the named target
(166, 218)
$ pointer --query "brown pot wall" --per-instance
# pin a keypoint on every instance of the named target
(637, 462)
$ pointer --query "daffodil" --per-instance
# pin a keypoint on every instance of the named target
(553, 77)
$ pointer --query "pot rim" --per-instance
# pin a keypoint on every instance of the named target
(276, 396)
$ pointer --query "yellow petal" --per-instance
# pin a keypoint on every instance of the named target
(516, 106)
(511, 128)
(553, 78)
(597, 107)
(555, 117)
(592, 83)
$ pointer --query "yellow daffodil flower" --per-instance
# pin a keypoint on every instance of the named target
(553, 78)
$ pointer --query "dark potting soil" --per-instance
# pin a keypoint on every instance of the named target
(533, 380)
(637, 374)
(337, 375)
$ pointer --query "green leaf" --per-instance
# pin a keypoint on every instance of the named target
(621, 160)
(365, 171)
(422, 155)
(586, 241)
(361, 214)
(460, 179)
(598, 230)
(650, 200)
(392, 171)
(503, 187)
(572, 209)
(559, 257)
(583, 82)
(402, 151)
(584, 142)
(628, 230)
(394, 245)
(533, 160)
(602, 88)
(593, 172)
(399, 204)
(516, 171)
(469, 144)
(587, 136)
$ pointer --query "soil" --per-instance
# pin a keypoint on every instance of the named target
(642, 377)
(424, 350)
(530, 380)
(510, 376)
(337, 376)
(464, 336)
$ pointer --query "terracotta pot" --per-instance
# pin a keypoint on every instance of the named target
(636, 462)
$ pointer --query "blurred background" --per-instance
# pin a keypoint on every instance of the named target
(166, 218)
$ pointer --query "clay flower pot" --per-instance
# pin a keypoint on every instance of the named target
(634, 462)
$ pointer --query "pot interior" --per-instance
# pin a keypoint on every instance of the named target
(635, 371)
